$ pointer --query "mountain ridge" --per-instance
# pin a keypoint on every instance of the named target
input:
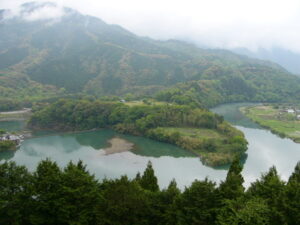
(80, 53)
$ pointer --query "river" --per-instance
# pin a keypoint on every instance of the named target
(169, 161)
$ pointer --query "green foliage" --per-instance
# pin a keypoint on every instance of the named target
(292, 197)
(7, 145)
(149, 181)
(48, 187)
(101, 59)
(241, 87)
(279, 122)
(124, 203)
(232, 188)
(82, 196)
(270, 188)
(198, 204)
(9, 104)
(16, 193)
(17, 91)
(192, 128)
(51, 195)
(242, 211)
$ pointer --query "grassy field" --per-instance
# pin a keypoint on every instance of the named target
(199, 133)
(213, 147)
(282, 123)
(147, 102)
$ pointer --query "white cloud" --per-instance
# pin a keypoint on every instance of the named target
(43, 13)
(216, 23)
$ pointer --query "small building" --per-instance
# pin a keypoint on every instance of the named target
(14, 138)
(298, 117)
(290, 111)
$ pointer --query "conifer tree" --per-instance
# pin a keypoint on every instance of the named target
(162, 205)
(82, 195)
(232, 187)
(292, 197)
(270, 188)
(149, 180)
(254, 211)
(137, 177)
(198, 204)
(125, 203)
(49, 201)
(15, 194)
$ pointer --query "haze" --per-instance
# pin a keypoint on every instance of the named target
(216, 23)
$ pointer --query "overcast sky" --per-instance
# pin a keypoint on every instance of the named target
(215, 23)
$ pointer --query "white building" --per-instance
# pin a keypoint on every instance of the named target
(291, 111)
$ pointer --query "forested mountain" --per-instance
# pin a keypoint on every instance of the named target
(286, 58)
(79, 53)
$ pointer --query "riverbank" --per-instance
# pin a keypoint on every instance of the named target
(273, 118)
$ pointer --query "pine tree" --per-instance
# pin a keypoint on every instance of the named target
(149, 180)
(170, 195)
(254, 211)
(198, 204)
(295, 177)
(270, 188)
(292, 197)
(49, 200)
(137, 177)
(81, 194)
(162, 205)
(125, 203)
(232, 187)
(15, 194)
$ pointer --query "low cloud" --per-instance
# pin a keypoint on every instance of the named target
(35, 11)
(44, 13)
(216, 23)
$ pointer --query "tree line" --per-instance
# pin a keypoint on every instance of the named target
(52, 195)
(150, 121)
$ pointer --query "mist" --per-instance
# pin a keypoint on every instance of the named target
(216, 23)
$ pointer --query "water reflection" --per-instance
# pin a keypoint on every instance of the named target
(231, 113)
(185, 167)
(169, 161)
(265, 149)
(11, 126)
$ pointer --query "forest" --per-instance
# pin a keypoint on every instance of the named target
(104, 60)
(61, 196)
(192, 128)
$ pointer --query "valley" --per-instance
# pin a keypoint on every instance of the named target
(157, 115)
(264, 150)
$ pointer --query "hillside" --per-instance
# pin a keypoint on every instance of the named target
(78, 53)
(284, 57)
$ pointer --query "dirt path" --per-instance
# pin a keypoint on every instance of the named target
(25, 110)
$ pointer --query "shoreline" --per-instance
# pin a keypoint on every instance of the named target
(118, 145)
(245, 111)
